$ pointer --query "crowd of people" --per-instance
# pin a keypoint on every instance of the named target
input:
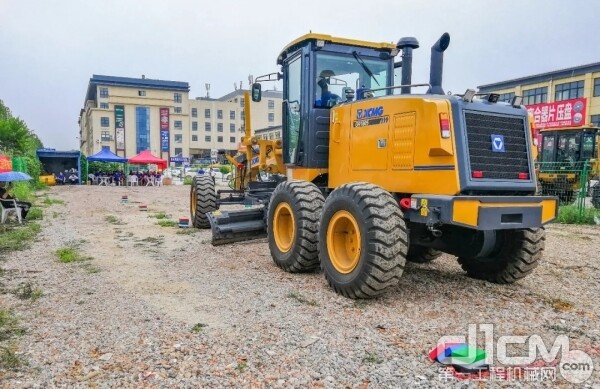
(119, 178)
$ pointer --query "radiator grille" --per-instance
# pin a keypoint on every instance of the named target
(497, 165)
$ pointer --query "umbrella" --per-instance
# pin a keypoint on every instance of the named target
(14, 176)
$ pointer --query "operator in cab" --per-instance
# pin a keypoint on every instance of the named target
(327, 99)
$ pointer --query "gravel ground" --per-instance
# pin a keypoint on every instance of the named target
(124, 318)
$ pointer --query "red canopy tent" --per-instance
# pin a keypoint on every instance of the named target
(146, 158)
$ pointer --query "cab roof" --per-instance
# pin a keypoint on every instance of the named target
(384, 46)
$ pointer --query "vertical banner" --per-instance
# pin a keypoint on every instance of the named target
(164, 129)
(120, 127)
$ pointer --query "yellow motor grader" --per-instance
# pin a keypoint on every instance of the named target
(368, 174)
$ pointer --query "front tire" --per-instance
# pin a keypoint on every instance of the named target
(362, 241)
(203, 199)
(293, 224)
(518, 254)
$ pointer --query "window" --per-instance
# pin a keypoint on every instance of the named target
(506, 97)
(103, 105)
(141, 93)
(243, 115)
(194, 126)
(232, 139)
(177, 124)
(178, 138)
(232, 127)
(103, 92)
(535, 96)
(220, 114)
(194, 138)
(207, 138)
(207, 113)
(242, 102)
(178, 151)
(104, 121)
(569, 90)
(278, 134)
(194, 112)
(142, 129)
(271, 104)
(232, 115)
(271, 117)
(177, 109)
(105, 136)
(596, 87)
(219, 127)
(207, 126)
(177, 97)
(595, 119)
(220, 139)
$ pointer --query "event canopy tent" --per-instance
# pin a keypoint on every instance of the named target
(146, 158)
(105, 155)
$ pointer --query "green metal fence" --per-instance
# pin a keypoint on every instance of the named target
(574, 183)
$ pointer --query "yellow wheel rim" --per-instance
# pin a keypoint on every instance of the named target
(193, 201)
(284, 227)
(343, 242)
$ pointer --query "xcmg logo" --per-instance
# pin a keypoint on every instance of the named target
(369, 112)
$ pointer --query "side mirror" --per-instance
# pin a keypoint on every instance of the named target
(256, 92)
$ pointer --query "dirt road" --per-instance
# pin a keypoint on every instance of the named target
(158, 306)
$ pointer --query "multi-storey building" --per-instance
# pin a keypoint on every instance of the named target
(130, 115)
(574, 90)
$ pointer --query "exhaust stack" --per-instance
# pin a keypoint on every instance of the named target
(407, 44)
(437, 64)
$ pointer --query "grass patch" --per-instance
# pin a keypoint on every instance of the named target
(569, 214)
(301, 299)
(160, 215)
(114, 220)
(55, 214)
(27, 291)
(198, 328)
(241, 367)
(167, 223)
(372, 358)
(9, 360)
(18, 237)
(35, 213)
(91, 269)
(187, 231)
(51, 201)
(187, 180)
(69, 255)
(9, 325)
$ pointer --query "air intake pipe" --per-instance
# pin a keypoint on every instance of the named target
(407, 44)
(437, 64)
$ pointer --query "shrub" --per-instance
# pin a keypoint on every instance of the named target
(570, 214)
(187, 180)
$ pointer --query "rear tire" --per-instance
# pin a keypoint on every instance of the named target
(420, 254)
(293, 224)
(362, 241)
(518, 254)
(203, 199)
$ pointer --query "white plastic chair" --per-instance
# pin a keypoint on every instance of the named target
(6, 211)
(132, 180)
(93, 179)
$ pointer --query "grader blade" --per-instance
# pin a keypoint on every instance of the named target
(237, 225)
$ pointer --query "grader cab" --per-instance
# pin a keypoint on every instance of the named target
(368, 175)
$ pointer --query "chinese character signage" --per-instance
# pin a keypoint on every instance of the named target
(179, 159)
(566, 113)
(164, 129)
(120, 126)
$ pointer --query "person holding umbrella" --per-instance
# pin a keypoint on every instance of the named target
(4, 195)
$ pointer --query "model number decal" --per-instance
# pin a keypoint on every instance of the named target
(371, 122)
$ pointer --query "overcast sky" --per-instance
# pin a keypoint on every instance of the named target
(49, 49)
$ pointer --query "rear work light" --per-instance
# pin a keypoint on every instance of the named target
(444, 125)
(523, 176)
(477, 174)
